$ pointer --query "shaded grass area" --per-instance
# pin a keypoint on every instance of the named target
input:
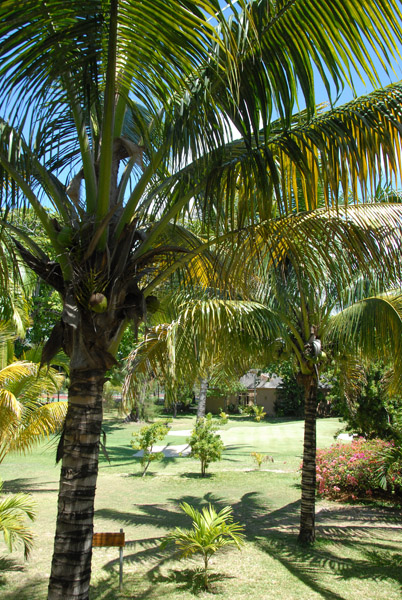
(358, 552)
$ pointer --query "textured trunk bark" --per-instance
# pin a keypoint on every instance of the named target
(308, 484)
(71, 565)
(202, 400)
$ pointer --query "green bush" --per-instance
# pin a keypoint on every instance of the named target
(367, 409)
(357, 469)
(289, 394)
(224, 417)
(205, 443)
(145, 440)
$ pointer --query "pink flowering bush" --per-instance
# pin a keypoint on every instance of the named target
(359, 469)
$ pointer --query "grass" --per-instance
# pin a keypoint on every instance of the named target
(358, 552)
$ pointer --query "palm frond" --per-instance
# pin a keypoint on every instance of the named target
(13, 511)
(372, 327)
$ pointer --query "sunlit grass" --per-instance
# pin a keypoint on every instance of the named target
(357, 554)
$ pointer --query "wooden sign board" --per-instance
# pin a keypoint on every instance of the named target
(108, 539)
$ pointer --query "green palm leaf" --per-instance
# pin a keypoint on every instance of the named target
(13, 512)
(211, 531)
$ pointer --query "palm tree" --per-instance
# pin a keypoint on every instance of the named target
(193, 348)
(119, 115)
(211, 531)
(320, 301)
(26, 416)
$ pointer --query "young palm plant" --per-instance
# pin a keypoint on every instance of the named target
(14, 509)
(211, 531)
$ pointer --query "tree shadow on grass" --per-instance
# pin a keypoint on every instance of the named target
(277, 536)
(31, 589)
(121, 453)
(369, 532)
(191, 580)
(27, 486)
(7, 565)
(207, 476)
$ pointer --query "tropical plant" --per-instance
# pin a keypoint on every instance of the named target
(258, 412)
(224, 417)
(389, 473)
(205, 443)
(211, 531)
(122, 125)
(311, 300)
(360, 397)
(359, 469)
(26, 414)
(260, 458)
(145, 440)
(13, 511)
(189, 350)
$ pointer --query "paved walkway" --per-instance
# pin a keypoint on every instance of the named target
(169, 451)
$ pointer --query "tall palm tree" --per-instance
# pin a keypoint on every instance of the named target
(119, 114)
(322, 300)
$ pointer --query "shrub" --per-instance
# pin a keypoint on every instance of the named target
(367, 408)
(289, 394)
(145, 440)
(356, 469)
(205, 443)
(258, 412)
(211, 531)
(224, 417)
(259, 458)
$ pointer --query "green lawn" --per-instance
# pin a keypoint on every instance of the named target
(358, 553)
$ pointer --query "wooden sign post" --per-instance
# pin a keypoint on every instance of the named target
(101, 540)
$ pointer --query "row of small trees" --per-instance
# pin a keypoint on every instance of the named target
(206, 445)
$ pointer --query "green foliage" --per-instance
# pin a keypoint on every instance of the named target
(226, 387)
(224, 417)
(14, 509)
(259, 413)
(248, 410)
(205, 443)
(366, 407)
(142, 399)
(211, 531)
(25, 415)
(289, 394)
(178, 397)
(146, 439)
(260, 458)
(359, 469)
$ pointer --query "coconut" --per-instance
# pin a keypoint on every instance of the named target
(98, 302)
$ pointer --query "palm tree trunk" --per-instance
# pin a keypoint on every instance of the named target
(308, 484)
(202, 400)
(71, 565)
